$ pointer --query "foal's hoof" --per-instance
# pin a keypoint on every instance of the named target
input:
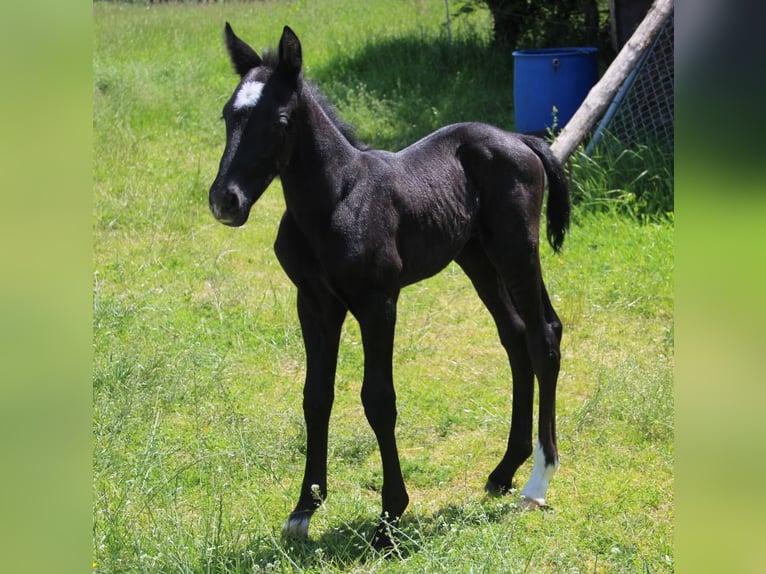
(384, 539)
(297, 525)
(496, 489)
(381, 541)
(526, 503)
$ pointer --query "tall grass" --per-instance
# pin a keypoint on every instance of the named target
(198, 435)
(636, 180)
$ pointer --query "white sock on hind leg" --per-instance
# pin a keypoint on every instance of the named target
(537, 484)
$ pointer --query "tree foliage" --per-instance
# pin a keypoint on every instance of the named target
(554, 23)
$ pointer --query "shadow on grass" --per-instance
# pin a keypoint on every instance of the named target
(397, 90)
(348, 544)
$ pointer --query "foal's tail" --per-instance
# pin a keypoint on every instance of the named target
(557, 210)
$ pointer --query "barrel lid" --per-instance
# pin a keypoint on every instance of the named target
(555, 52)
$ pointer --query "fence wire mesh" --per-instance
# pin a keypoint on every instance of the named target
(642, 112)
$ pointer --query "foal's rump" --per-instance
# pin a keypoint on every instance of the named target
(508, 171)
(467, 180)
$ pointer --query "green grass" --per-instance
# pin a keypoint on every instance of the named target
(635, 181)
(198, 437)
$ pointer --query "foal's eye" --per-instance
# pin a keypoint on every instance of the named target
(283, 119)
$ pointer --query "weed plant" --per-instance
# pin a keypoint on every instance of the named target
(198, 436)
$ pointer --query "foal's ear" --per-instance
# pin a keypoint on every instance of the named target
(243, 57)
(290, 58)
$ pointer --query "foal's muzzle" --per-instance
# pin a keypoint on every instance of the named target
(229, 204)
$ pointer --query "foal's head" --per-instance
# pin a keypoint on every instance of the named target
(258, 125)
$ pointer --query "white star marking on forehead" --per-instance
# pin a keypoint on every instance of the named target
(248, 95)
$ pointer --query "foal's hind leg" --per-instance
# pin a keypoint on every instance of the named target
(519, 265)
(550, 315)
(510, 328)
(542, 469)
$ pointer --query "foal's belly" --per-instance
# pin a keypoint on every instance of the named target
(426, 248)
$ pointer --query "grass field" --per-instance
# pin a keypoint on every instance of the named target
(198, 435)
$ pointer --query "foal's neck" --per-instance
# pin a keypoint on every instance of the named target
(314, 180)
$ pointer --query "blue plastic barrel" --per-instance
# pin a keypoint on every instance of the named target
(548, 78)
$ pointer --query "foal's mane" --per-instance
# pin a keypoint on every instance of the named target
(271, 59)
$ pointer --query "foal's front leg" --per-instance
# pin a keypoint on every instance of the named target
(321, 317)
(376, 314)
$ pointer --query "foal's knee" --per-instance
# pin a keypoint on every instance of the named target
(317, 403)
(379, 406)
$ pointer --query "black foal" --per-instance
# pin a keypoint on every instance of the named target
(360, 224)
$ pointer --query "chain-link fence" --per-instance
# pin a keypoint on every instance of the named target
(642, 111)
